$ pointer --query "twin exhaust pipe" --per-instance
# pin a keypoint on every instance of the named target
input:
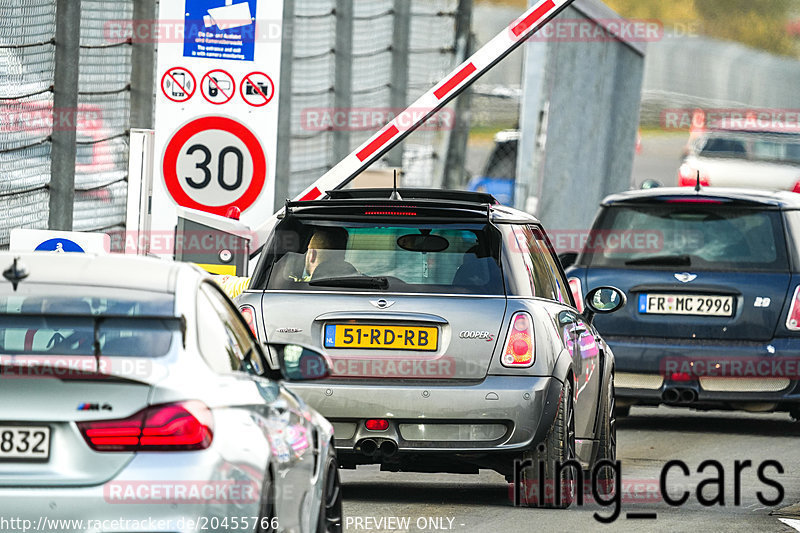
(679, 396)
(377, 447)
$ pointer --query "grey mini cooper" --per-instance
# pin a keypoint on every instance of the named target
(453, 337)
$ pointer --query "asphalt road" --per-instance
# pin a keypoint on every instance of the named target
(647, 440)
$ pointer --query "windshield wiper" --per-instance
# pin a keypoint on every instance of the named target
(363, 282)
(666, 260)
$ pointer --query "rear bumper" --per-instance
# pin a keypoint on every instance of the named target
(721, 373)
(500, 414)
(186, 493)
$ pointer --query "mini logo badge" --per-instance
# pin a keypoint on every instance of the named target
(382, 304)
(685, 277)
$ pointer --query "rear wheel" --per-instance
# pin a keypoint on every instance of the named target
(330, 509)
(266, 513)
(549, 470)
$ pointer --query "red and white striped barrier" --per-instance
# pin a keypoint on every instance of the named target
(434, 100)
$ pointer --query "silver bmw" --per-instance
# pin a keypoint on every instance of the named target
(135, 398)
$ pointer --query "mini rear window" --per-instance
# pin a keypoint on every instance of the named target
(692, 235)
(395, 257)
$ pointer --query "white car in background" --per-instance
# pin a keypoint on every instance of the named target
(743, 158)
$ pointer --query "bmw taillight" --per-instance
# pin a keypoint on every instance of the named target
(519, 346)
(182, 426)
(577, 293)
(249, 315)
(793, 320)
(687, 177)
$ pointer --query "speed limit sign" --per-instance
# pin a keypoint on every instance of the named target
(214, 163)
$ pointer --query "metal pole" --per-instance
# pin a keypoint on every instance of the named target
(343, 81)
(459, 135)
(283, 164)
(143, 58)
(65, 106)
(532, 123)
(400, 61)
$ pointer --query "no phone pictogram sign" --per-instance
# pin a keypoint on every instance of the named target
(213, 163)
(178, 84)
(218, 87)
(257, 89)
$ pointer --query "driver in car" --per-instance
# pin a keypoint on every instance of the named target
(325, 255)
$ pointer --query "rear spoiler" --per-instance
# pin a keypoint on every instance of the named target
(411, 210)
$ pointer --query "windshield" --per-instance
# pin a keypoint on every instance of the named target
(48, 319)
(428, 258)
(696, 236)
(780, 148)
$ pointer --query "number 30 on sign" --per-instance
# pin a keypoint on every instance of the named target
(213, 163)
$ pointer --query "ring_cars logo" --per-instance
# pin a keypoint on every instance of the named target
(483, 335)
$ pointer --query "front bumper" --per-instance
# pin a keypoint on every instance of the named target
(720, 373)
(498, 414)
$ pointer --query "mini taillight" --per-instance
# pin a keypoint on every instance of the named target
(577, 293)
(249, 315)
(796, 187)
(793, 321)
(519, 346)
(180, 426)
(377, 424)
(687, 177)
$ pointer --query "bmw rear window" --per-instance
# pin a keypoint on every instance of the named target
(47, 319)
(396, 257)
(701, 236)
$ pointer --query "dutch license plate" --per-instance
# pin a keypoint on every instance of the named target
(686, 304)
(382, 337)
(24, 442)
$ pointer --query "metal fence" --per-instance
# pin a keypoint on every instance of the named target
(29, 123)
(688, 72)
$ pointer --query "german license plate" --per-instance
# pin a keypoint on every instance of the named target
(24, 442)
(381, 337)
(686, 304)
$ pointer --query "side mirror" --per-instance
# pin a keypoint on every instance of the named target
(603, 301)
(567, 259)
(298, 363)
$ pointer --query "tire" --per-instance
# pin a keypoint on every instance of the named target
(557, 448)
(266, 511)
(330, 509)
(607, 449)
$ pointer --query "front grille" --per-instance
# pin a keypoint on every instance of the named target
(728, 384)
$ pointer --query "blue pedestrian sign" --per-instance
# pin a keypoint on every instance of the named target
(220, 29)
(59, 245)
